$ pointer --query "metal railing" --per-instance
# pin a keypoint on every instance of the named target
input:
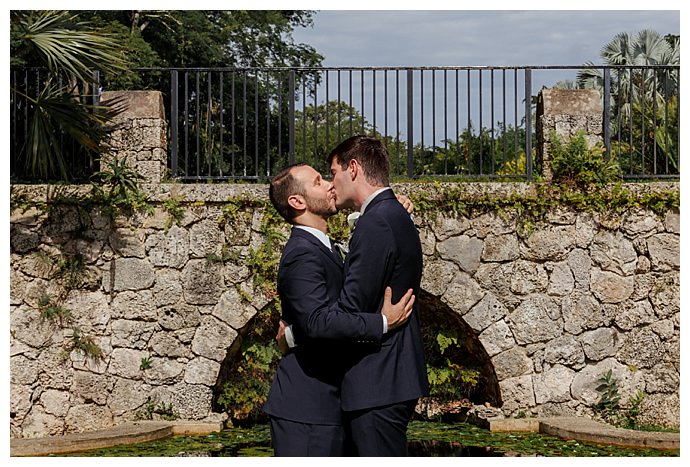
(245, 124)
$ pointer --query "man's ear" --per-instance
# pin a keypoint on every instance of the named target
(353, 169)
(297, 202)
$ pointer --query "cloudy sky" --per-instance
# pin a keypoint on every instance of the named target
(462, 37)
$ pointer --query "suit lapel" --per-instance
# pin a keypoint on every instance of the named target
(333, 255)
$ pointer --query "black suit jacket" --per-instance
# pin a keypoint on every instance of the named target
(306, 387)
(384, 250)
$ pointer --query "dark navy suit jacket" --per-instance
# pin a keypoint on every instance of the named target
(306, 387)
(384, 250)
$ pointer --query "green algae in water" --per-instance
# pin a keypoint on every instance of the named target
(426, 439)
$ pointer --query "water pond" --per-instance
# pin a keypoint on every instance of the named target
(426, 439)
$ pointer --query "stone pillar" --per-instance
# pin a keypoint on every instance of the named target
(140, 133)
(566, 111)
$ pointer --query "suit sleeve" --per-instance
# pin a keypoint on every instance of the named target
(304, 286)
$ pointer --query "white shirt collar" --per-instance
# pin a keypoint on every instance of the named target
(323, 238)
(371, 197)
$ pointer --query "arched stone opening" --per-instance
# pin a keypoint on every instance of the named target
(469, 353)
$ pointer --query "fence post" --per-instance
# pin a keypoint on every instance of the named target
(607, 112)
(528, 123)
(410, 126)
(291, 115)
(173, 122)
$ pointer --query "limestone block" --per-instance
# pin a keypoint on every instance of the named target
(23, 239)
(665, 295)
(205, 238)
(663, 378)
(610, 287)
(126, 363)
(133, 334)
(90, 310)
(500, 248)
(497, 338)
(128, 242)
(130, 274)
(528, 277)
(564, 350)
(134, 305)
(536, 319)
(23, 371)
(561, 280)
(661, 410)
(517, 393)
(513, 362)
(551, 243)
(584, 230)
(613, 252)
(586, 381)
(463, 250)
(553, 385)
(88, 417)
(202, 371)
(664, 252)
(27, 326)
(600, 343)
(169, 249)
(20, 401)
(488, 311)
(436, 276)
(190, 401)
(213, 338)
(641, 348)
(672, 221)
(202, 282)
(462, 293)
(233, 310)
(163, 371)
(640, 223)
(128, 395)
(38, 424)
(493, 224)
(445, 226)
(633, 314)
(178, 316)
(167, 289)
(90, 387)
(492, 278)
(581, 266)
(55, 402)
(166, 344)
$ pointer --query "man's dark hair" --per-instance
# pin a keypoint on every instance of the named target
(283, 185)
(369, 152)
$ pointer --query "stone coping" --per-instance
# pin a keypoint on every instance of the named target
(581, 429)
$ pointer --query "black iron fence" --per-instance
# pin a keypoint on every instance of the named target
(234, 124)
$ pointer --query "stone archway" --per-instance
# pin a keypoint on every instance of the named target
(469, 353)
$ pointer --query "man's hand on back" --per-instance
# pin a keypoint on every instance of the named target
(397, 314)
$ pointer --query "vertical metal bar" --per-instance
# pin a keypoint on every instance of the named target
(503, 135)
(209, 113)
(198, 126)
(630, 118)
(13, 130)
(361, 85)
(410, 127)
(232, 124)
(445, 122)
(304, 118)
(385, 107)
(457, 122)
(607, 112)
(328, 118)
(291, 114)
(421, 122)
(678, 121)
(316, 121)
(528, 122)
(268, 124)
(493, 134)
(433, 121)
(666, 101)
(654, 110)
(373, 98)
(186, 123)
(244, 123)
(174, 117)
(619, 112)
(222, 123)
(469, 124)
(339, 129)
(256, 123)
(481, 126)
(350, 108)
(642, 98)
(397, 121)
(515, 115)
(279, 115)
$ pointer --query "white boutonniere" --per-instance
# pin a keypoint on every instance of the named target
(352, 219)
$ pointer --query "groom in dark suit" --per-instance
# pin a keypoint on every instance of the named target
(381, 387)
(304, 400)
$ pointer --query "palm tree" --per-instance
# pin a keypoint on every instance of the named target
(61, 109)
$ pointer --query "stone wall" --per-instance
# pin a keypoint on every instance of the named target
(554, 309)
